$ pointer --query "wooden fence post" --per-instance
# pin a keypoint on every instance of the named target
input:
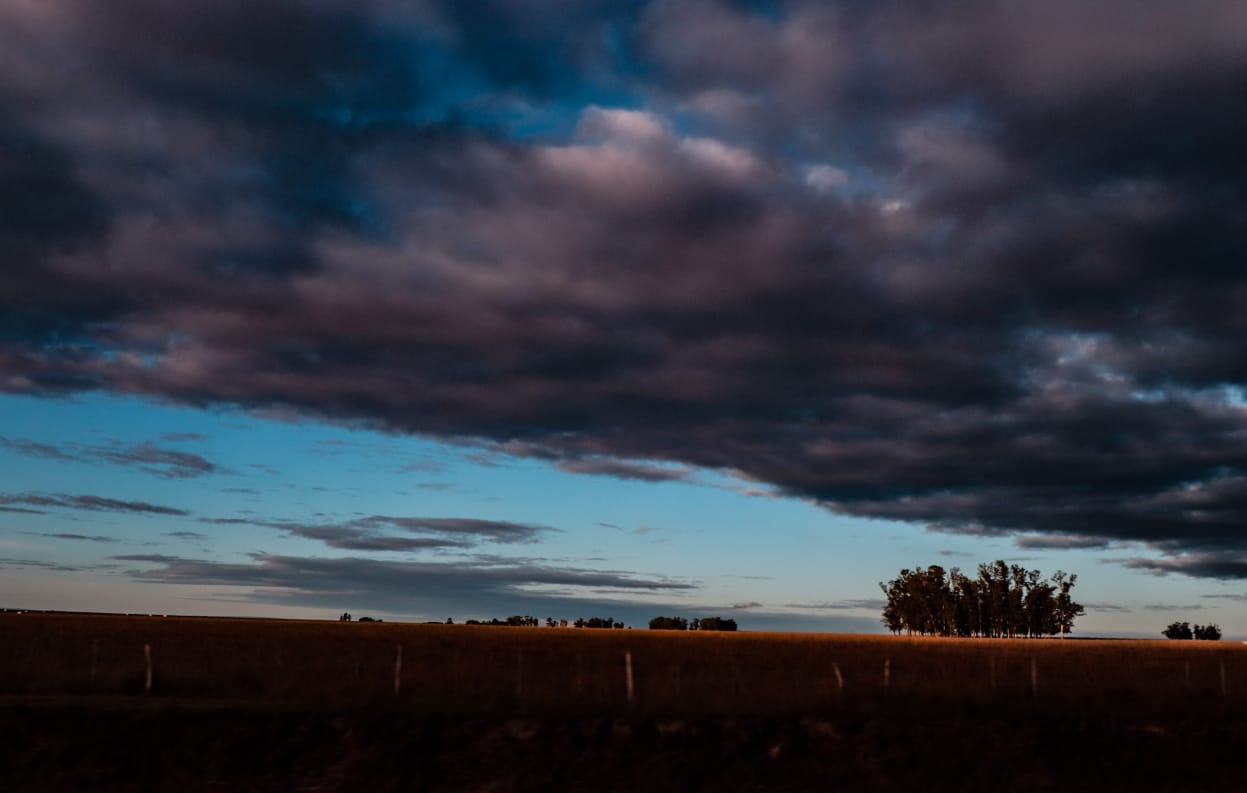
(454, 672)
(628, 675)
(147, 661)
(398, 670)
(519, 674)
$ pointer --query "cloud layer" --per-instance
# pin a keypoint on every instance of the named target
(367, 534)
(977, 266)
(474, 587)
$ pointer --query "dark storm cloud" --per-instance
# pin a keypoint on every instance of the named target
(973, 266)
(90, 503)
(1201, 564)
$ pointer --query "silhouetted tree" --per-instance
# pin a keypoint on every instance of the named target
(1066, 609)
(668, 624)
(713, 624)
(1178, 630)
(1208, 633)
(1004, 600)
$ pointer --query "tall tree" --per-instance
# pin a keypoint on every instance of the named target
(1066, 610)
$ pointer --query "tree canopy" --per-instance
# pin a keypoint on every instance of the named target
(1002, 601)
(1183, 630)
(682, 624)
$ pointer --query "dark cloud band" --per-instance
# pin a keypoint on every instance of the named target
(992, 279)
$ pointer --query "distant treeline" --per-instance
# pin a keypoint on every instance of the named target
(1002, 601)
(681, 624)
(346, 617)
(551, 622)
(657, 623)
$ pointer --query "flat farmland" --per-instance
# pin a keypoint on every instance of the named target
(477, 669)
(111, 702)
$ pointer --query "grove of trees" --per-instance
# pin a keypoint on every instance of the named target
(681, 624)
(598, 622)
(516, 621)
(1183, 630)
(1002, 601)
(668, 624)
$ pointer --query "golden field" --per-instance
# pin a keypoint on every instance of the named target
(263, 705)
(477, 669)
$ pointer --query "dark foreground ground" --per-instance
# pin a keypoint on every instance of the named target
(111, 703)
(123, 746)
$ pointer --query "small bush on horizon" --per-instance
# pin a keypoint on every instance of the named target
(1183, 630)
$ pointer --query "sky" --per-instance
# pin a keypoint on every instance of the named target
(430, 309)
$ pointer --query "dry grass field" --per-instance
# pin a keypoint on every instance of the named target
(277, 705)
(475, 669)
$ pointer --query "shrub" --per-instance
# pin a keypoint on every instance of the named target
(668, 624)
(1210, 632)
(1178, 630)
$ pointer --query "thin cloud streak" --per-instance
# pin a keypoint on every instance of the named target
(867, 604)
(622, 469)
(70, 536)
(90, 503)
(148, 457)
